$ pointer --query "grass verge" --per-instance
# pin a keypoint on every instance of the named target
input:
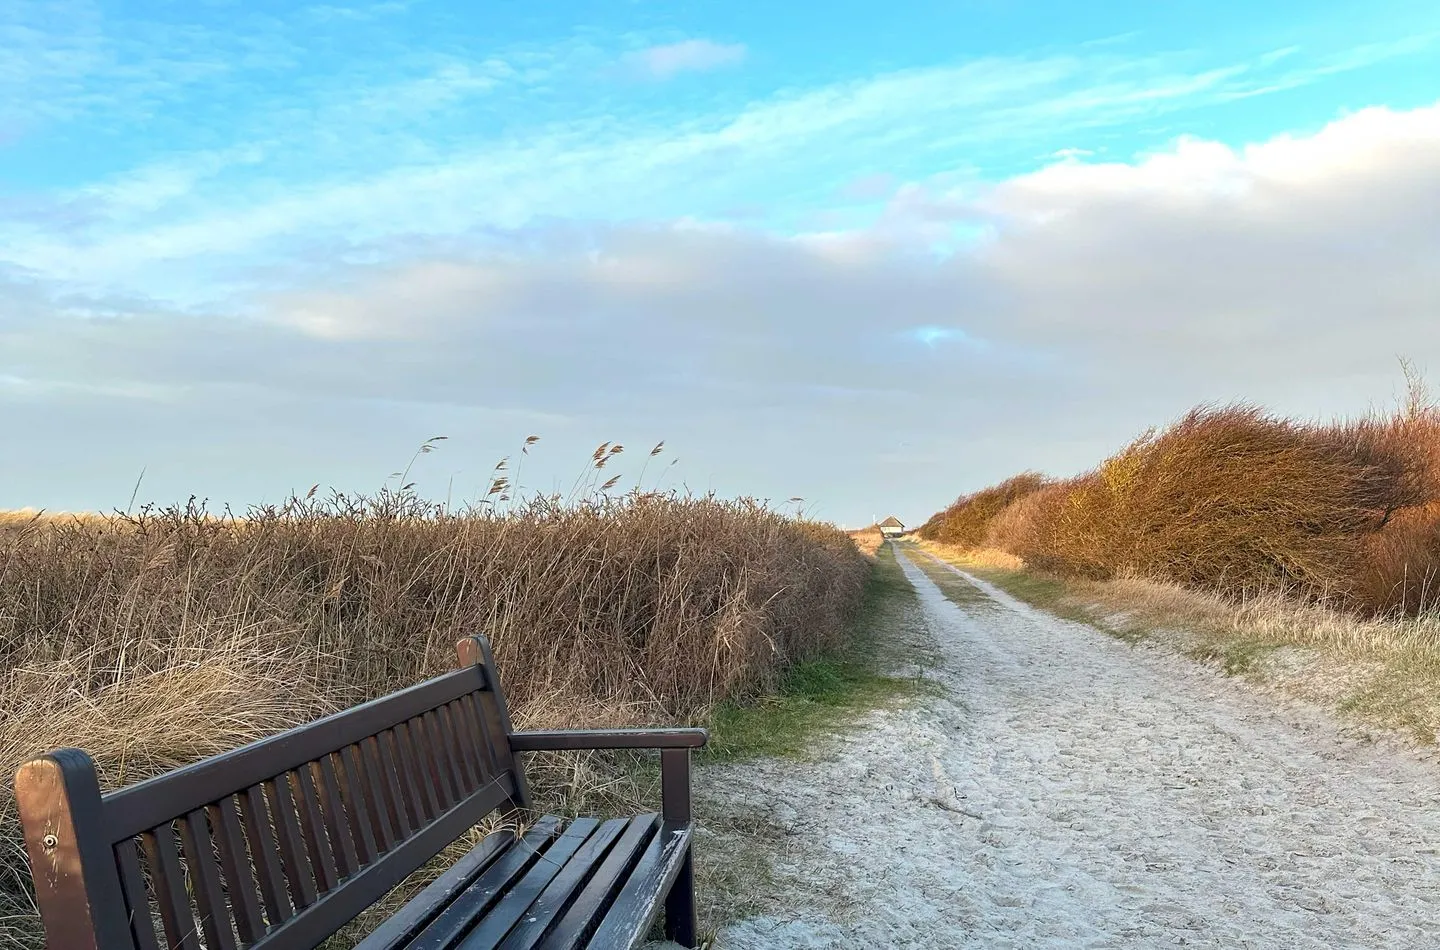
(1376, 673)
(882, 662)
(820, 696)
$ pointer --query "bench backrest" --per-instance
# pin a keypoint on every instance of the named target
(277, 844)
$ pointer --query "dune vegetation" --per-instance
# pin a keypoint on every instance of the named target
(1237, 501)
(156, 638)
(1255, 531)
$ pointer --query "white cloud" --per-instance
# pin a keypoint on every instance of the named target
(687, 56)
(1104, 296)
(169, 223)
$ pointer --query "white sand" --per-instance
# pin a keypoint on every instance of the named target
(1073, 791)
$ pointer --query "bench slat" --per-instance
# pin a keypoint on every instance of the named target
(267, 856)
(490, 930)
(312, 829)
(495, 716)
(205, 881)
(306, 930)
(235, 865)
(176, 915)
(360, 806)
(298, 877)
(423, 907)
(385, 793)
(636, 906)
(337, 823)
(410, 737)
(464, 775)
(544, 911)
(411, 808)
(477, 736)
(449, 785)
(572, 929)
(132, 882)
(486, 890)
(144, 805)
(472, 768)
(428, 773)
(399, 802)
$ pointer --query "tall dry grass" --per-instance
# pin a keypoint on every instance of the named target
(966, 522)
(157, 638)
(869, 540)
(1240, 502)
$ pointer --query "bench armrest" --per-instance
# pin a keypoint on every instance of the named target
(674, 746)
(564, 740)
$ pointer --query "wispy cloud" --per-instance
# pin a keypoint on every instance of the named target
(687, 56)
(1107, 295)
(387, 161)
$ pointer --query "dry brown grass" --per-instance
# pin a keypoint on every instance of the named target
(160, 638)
(966, 522)
(1237, 501)
(868, 540)
(1251, 535)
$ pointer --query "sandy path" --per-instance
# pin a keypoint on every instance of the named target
(1072, 791)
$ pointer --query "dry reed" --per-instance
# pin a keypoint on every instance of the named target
(157, 638)
(1240, 502)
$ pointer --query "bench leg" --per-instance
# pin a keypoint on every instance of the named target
(680, 905)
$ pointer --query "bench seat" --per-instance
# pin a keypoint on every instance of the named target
(587, 884)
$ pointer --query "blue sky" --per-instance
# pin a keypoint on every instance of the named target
(868, 254)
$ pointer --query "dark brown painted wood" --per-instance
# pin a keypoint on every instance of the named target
(205, 885)
(543, 913)
(488, 889)
(360, 805)
(478, 734)
(337, 823)
(451, 723)
(77, 884)
(580, 920)
(636, 906)
(419, 766)
(312, 829)
(675, 784)
(568, 739)
(177, 918)
(385, 794)
(429, 774)
(425, 906)
(266, 852)
(394, 797)
(235, 865)
(450, 784)
(496, 716)
(299, 879)
(410, 801)
(477, 728)
(147, 804)
(137, 895)
(287, 839)
(334, 910)
(675, 794)
(495, 925)
(680, 918)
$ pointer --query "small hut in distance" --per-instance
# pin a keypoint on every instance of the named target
(891, 527)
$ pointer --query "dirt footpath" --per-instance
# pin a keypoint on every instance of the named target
(1072, 791)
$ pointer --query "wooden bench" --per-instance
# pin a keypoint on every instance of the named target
(281, 843)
